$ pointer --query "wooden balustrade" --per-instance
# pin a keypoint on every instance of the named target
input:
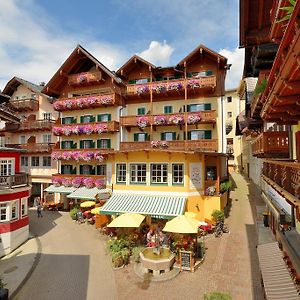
(33, 147)
(207, 116)
(25, 104)
(170, 85)
(285, 174)
(59, 176)
(30, 125)
(94, 150)
(13, 181)
(192, 145)
(84, 78)
(271, 144)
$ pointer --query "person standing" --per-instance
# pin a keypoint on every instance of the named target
(39, 210)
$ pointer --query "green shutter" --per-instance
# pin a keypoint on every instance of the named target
(81, 144)
(73, 170)
(135, 137)
(81, 170)
(209, 73)
(99, 118)
(141, 111)
(108, 143)
(207, 106)
(131, 81)
(93, 170)
(189, 75)
(93, 119)
(93, 144)
(173, 136)
(188, 109)
(98, 170)
(63, 144)
(98, 144)
(73, 120)
(189, 135)
(81, 119)
(162, 136)
(207, 134)
(62, 169)
(148, 79)
(62, 120)
(109, 117)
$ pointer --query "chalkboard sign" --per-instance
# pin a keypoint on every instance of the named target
(186, 260)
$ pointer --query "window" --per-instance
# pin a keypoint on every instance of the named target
(229, 99)
(87, 170)
(24, 161)
(6, 167)
(3, 212)
(67, 169)
(168, 136)
(35, 161)
(168, 109)
(22, 139)
(46, 161)
(104, 117)
(198, 107)
(229, 114)
(138, 173)
(46, 138)
(140, 137)
(14, 210)
(141, 111)
(87, 119)
(103, 144)
(47, 116)
(177, 174)
(101, 170)
(87, 144)
(199, 135)
(67, 120)
(24, 207)
(159, 173)
(67, 145)
(121, 173)
(142, 80)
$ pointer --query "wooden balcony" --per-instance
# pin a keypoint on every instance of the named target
(13, 181)
(36, 125)
(23, 105)
(33, 147)
(94, 150)
(188, 145)
(271, 144)
(169, 86)
(207, 116)
(85, 78)
(283, 176)
(60, 177)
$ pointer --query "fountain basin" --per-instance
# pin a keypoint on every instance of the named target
(157, 263)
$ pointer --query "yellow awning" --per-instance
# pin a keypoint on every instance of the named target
(127, 220)
(96, 211)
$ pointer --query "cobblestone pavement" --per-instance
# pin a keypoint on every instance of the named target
(231, 263)
(72, 265)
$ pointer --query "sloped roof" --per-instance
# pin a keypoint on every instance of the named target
(202, 48)
(13, 84)
(132, 60)
(72, 65)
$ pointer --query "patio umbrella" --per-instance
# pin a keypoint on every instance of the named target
(86, 204)
(127, 220)
(190, 214)
(96, 211)
(182, 224)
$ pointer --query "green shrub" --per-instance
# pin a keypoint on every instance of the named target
(259, 89)
(218, 215)
(217, 296)
(225, 186)
(135, 253)
(73, 212)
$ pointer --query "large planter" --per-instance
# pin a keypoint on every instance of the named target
(3, 294)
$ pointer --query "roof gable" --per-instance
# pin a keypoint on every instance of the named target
(13, 84)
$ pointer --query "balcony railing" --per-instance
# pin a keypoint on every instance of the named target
(85, 128)
(176, 85)
(271, 144)
(285, 174)
(84, 78)
(79, 180)
(87, 102)
(81, 155)
(25, 104)
(30, 125)
(207, 116)
(13, 181)
(193, 145)
(33, 147)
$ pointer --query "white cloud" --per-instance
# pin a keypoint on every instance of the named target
(158, 53)
(236, 58)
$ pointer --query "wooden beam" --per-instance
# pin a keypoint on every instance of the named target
(52, 90)
(63, 73)
(292, 85)
(287, 100)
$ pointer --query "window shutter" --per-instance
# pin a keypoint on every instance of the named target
(109, 117)
(74, 145)
(207, 106)
(81, 144)
(131, 81)
(81, 170)
(93, 119)
(135, 137)
(93, 170)
(93, 144)
(207, 134)
(189, 75)
(73, 120)
(81, 119)
(98, 144)
(108, 143)
(99, 118)
(189, 135)
(147, 137)
(62, 169)
(188, 108)
(148, 79)
(63, 145)
(62, 120)
(209, 73)
(162, 136)
(98, 170)
(173, 136)
(73, 170)
(141, 111)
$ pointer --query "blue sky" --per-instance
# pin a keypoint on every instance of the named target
(37, 35)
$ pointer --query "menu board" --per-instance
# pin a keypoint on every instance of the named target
(186, 260)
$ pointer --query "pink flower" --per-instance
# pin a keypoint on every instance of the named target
(175, 86)
(88, 129)
(159, 88)
(58, 105)
(194, 119)
(142, 122)
(68, 130)
(192, 83)
(99, 128)
(76, 155)
(160, 120)
(87, 155)
(99, 183)
(177, 120)
(88, 182)
(66, 155)
(68, 104)
(57, 181)
(56, 155)
(77, 182)
(99, 157)
(106, 100)
(80, 102)
(57, 130)
(67, 182)
(142, 89)
(159, 144)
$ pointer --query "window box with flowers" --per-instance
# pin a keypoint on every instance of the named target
(175, 86)
(142, 122)
(142, 89)
(193, 84)
(159, 88)
(88, 182)
(160, 120)
(159, 144)
(194, 119)
(176, 120)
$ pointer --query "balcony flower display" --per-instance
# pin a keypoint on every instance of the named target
(194, 119)
(91, 100)
(76, 155)
(87, 156)
(58, 105)
(78, 129)
(68, 130)
(142, 122)
(142, 89)
(99, 183)
(159, 88)
(106, 100)
(55, 155)
(77, 182)
(99, 128)
(69, 104)
(177, 120)
(98, 156)
(66, 182)
(57, 130)
(88, 182)
(88, 129)
(159, 144)
(66, 155)
(160, 120)
(57, 181)
(81, 102)
(175, 86)
(193, 84)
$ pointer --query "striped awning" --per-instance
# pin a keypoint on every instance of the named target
(277, 280)
(156, 206)
(60, 189)
(87, 194)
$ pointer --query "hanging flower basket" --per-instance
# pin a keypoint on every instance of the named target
(160, 120)
(194, 119)
(142, 122)
(68, 104)
(142, 89)
(88, 182)
(175, 86)
(159, 144)
(177, 120)
(99, 157)
(77, 182)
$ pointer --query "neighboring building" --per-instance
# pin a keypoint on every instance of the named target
(34, 133)
(270, 55)
(137, 128)
(14, 193)
(232, 107)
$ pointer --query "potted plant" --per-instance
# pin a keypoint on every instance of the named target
(3, 290)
